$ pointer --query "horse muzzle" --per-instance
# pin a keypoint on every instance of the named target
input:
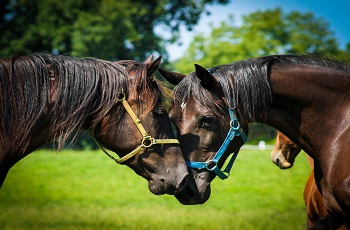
(197, 190)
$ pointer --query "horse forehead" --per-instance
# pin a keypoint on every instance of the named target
(183, 105)
(190, 108)
(187, 113)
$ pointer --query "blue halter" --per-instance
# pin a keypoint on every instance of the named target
(211, 165)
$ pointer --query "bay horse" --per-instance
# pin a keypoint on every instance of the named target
(45, 97)
(317, 216)
(284, 152)
(283, 155)
(305, 97)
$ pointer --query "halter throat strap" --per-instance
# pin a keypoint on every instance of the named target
(146, 142)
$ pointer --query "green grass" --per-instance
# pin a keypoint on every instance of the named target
(86, 190)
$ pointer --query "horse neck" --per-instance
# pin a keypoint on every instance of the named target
(309, 84)
(306, 101)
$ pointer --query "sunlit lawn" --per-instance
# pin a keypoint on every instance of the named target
(86, 190)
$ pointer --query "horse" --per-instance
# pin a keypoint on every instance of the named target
(284, 152)
(283, 155)
(45, 97)
(306, 97)
(317, 216)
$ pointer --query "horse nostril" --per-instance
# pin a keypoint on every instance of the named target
(278, 162)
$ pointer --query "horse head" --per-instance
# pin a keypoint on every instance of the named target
(143, 135)
(284, 152)
(200, 113)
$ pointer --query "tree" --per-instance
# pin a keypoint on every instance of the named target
(261, 33)
(105, 29)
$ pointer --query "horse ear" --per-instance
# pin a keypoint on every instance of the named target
(208, 81)
(149, 60)
(152, 66)
(172, 77)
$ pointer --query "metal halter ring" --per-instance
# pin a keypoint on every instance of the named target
(147, 142)
(210, 165)
(232, 124)
(121, 96)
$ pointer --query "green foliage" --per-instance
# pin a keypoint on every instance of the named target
(261, 33)
(86, 190)
(104, 29)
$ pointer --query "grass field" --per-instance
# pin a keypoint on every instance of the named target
(86, 190)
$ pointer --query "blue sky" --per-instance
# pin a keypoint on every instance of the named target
(336, 12)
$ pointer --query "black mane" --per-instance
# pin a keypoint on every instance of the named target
(86, 87)
(246, 83)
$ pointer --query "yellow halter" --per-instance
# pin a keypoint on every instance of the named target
(146, 142)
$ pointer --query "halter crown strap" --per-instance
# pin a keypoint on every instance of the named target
(132, 115)
(147, 141)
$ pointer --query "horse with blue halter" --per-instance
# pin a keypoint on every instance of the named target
(305, 97)
(45, 97)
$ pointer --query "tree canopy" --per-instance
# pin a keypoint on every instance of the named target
(261, 33)
(105, 29)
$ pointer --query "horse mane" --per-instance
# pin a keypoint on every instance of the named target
(190, 87)
(312, 59)
(144, 87)
(239, 83)
(246, 83)
(86, 87)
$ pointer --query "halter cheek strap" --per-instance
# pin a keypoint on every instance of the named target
(146, 142)
(211, 165)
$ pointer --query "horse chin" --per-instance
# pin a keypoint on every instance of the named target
(156, 188)
(285, 165)
(161, 179)
(191, 196)
(197, 190)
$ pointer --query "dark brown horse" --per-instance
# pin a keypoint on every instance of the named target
(283, 155)
(45, 97)
(305, 97)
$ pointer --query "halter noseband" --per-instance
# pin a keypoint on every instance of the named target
(146, 142)
(211, 165)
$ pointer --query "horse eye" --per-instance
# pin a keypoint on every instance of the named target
(206, 120)
(159, 111)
